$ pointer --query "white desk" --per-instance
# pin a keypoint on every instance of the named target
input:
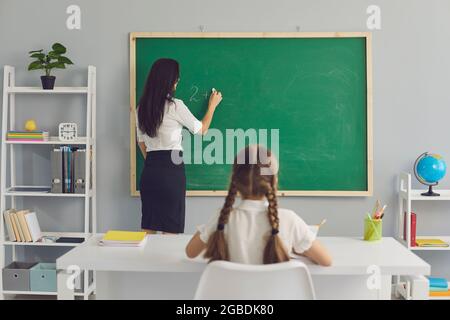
(164, 255)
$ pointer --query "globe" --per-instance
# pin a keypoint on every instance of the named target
(429, 168)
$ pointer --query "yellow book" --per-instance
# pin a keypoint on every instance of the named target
(124, 236)
(440, 293)
(15, 228)
(21, 237)
(24, 225)
(431, 243)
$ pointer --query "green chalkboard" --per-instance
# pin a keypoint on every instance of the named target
(314, 90)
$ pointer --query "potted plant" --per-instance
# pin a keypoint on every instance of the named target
(49, 61)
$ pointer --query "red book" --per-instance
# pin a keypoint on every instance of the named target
(413, 228)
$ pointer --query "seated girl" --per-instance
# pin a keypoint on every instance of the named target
(256, 231)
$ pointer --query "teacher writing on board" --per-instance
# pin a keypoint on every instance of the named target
(160, 119)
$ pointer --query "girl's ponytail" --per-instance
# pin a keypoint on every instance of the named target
(217, 247)
(274, 251)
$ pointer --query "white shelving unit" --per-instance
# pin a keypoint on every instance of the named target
(43, 293)
(54, 141)
(8, 197)
(51, 244)
(56, 90)
(406, 197)
(8, 192)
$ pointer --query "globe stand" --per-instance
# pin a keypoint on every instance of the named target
(430, 185)
(430, 193)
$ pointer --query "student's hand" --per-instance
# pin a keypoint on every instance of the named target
(214, 99)
(195, 246)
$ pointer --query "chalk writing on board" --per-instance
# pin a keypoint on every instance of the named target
(195, 95)
(194, 90)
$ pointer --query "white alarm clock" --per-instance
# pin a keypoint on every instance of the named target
(67, 131)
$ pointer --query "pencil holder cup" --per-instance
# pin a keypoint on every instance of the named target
(373, 229)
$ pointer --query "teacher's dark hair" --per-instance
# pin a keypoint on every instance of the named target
(159, 88)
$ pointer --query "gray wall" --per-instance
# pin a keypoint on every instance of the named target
(411, 100)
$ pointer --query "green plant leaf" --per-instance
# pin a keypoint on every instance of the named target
(54, 55)
(64, 60)
(59, 48)
(30, 52)
(39, 56)
(35, 65)
(58, 65)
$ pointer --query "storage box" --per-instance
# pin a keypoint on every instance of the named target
(43, 277)
(16, 276)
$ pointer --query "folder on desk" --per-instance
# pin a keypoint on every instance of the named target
(56, 163)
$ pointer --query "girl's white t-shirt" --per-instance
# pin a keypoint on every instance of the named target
(169, 137)
(248, 229)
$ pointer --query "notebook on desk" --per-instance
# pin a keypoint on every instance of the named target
(116, 238)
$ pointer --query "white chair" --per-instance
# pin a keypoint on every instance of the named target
(223, 280)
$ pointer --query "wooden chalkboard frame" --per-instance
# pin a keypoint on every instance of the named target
(366, 35)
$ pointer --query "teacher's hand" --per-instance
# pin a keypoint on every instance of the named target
(214, 99)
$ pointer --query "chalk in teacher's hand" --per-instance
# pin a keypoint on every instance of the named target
(213, 90)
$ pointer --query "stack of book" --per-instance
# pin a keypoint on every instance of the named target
(436, 243)
(421, 242)
(27, 136)
(22, 226)
(114, 238)
(438, 287)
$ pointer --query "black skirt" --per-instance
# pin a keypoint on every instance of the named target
(163, 192)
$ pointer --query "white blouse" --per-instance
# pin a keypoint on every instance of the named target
(169, 136)
(248, 228)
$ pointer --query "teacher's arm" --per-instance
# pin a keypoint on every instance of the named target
(214, 100)
(195, 246)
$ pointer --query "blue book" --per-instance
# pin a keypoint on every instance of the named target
(438, 282)
(437, 289)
